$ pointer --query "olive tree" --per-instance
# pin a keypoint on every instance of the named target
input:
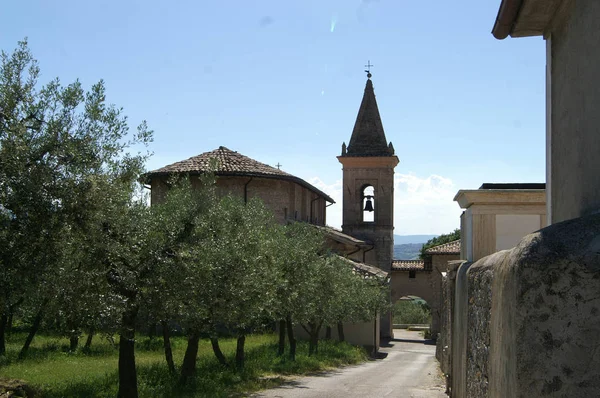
(58, 144)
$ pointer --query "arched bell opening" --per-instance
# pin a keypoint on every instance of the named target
(368, 203)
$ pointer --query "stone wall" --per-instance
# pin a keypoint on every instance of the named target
(531, 320)
(286, 199)
(478, 325)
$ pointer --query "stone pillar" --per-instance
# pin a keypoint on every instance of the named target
(459, 333)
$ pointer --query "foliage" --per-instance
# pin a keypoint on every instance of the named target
(439, 240)
(411, 312)
(58, 373)
(65, 165)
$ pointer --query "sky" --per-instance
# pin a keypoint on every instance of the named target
(281, 82)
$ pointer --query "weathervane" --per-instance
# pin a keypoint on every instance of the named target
(368, 70)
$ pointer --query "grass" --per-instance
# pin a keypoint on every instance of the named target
(54, 372)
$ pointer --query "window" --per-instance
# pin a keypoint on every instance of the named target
(368, 203)
(412, 274)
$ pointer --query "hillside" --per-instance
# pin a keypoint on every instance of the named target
(407, 251)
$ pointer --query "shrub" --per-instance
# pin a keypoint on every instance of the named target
(411, 312)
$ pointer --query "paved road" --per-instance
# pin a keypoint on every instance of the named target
(409, 370)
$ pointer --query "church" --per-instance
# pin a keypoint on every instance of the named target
(367, 235)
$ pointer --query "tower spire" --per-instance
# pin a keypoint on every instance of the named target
(368, 137)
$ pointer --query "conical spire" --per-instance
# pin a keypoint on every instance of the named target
(368, 137)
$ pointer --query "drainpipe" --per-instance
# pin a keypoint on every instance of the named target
(311, 208)
(351, 253)
(246, 190)
(372, 247)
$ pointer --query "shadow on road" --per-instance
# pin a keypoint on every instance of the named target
(423, 341)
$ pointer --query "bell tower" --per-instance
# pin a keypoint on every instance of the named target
(368, 187)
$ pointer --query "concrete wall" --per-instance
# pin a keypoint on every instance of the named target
(486, 232)
(529, 317)
(511, 228)
(362, 333)
(574, 94)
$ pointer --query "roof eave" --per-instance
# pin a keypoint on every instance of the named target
(526, 18)
(506, 18)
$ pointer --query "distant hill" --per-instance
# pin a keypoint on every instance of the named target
(402, 239)
(407, 251)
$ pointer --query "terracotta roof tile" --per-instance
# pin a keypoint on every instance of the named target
(229, 163)
(446, 248)
(339, 236)
(364, 269)
(408, 265)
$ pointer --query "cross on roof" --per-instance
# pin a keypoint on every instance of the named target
(278, 166)
(368, 70)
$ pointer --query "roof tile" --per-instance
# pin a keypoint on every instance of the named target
(230, 163)
(408, 265)
(446, 248)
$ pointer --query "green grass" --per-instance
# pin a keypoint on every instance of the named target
(55, 372)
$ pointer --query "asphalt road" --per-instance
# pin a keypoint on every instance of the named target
(409, 370)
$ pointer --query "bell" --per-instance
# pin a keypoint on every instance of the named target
(369, 204)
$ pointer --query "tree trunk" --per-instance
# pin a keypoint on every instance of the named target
(188, 368)
(281, 347)
(11, 311)
(167, 345)
(152, 331)
(328, 332)
(313, 344)
(217, 350)
(239, 352)
(88, 340)
(73, 343)
(9, 323)
(127, 371)
(291, 338)
(34, 328)
(3, 324)
(340, 327)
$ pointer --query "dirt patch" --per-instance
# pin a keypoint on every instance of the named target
(12, 388)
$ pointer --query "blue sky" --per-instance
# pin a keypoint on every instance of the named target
(281, 81)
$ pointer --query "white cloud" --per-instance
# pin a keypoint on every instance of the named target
(422, 205)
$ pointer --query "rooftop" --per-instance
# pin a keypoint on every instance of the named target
(366, 270)
(446, 248)
(229, 163)
(408, 265)
(341, 237)
(521, 18)
(513, 185)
